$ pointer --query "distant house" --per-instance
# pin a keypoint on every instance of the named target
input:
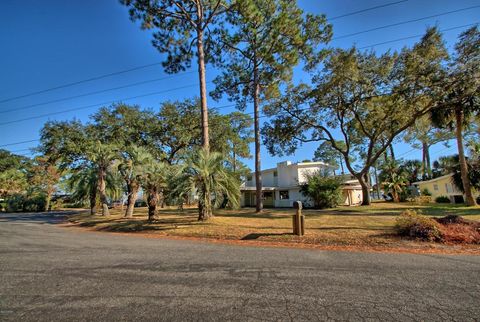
(442, 186)
(281, 185)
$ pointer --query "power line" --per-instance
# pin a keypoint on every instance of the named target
(366, 9)
(36, 140)
(97, 104)
(416, 36)
(90, 93)
(79, 82)
(404, 22)
(17, 143)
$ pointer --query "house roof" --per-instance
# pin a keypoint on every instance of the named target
(435, 179)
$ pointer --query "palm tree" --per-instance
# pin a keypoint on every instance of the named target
(134, 159)
(154, 179)
(462, 99)
(205, 175)
(83, 183)
(102, 156)
(395, 183)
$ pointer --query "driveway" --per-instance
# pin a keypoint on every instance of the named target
(52, 273)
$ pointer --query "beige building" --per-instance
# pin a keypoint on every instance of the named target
(442, 186)
(281, 186)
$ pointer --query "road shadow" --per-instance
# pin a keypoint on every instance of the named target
(52, 217)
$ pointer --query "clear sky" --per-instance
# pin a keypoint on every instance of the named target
(49, 43)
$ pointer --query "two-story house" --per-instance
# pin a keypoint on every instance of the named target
(281, 185)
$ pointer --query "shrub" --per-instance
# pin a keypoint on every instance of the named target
(20, 202)
(323, 190)
(426, 192)
(423, 199)
(414, 225)
(442, 199)
(15, 202)
(460, 233)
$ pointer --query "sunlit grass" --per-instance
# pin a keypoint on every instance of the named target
(371, 225)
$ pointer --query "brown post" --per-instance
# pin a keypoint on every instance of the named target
(298, 219)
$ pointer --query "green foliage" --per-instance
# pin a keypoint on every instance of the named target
(412, 224)
(442, 199)
(426, 192)
(12, 181)
(264, 42)
(325, 191)
(327, 154)
(394, 180)
(32, 202)
(360, 95)
(451, 164)
(205, 175)
(9, 160)
(177, 27)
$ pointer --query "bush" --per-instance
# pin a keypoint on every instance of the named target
(20, 202)
(460, 233)
(423, 199)
(323, 190)
(414, 225)
(442, 199)
(425, 192)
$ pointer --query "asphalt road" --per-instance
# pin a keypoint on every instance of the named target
(51, 273)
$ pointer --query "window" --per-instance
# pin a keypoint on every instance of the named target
(448, 188)
(435, 187)
(249, 177)
(284, 195)
(275, 174)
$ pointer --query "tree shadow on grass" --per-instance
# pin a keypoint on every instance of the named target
(136, 225)
(254, 236)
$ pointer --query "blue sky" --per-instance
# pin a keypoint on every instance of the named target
(50, 43)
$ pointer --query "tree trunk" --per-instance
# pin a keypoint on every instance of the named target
(376, 182)
(426, 164)
(152, 201)
(392, 154)
(205, 209)
(427, 160)
(234, 161)
(258, 168)
(203, 85)
(93, 201)
(47, 201)
(365, 189)
(459, 116)
(341, 166)
(131, 198)
(102, 191)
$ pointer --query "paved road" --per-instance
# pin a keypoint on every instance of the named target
(52, 273)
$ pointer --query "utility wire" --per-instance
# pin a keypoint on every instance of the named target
(416, 36)
(36, 140)
(404, 22)
(17, 143)
(97, 104)
(158, 63)
(366, 9)
(79, 82)
(90, 93)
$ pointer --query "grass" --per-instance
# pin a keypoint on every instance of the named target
(352, 226)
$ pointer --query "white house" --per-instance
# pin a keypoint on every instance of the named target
(281, 185)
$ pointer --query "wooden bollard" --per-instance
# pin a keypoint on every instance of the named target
(298, 219)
